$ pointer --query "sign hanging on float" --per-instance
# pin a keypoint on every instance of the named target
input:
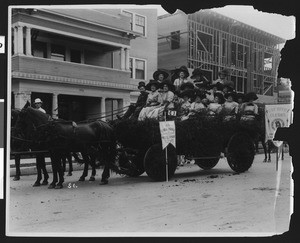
(277, 115)
(167, 131)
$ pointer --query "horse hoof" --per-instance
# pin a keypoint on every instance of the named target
(59, 187)
(103, 182)
(69, 174)
(36, 184)
(51, 186)
(44, 183)
(81, 179)
(16, 178)
(92, 179)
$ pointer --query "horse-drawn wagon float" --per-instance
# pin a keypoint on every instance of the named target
(204, 139)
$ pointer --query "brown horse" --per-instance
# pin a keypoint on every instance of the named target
(61, 136)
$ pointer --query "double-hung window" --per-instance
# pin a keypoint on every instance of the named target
(137, 22)
(138, 68)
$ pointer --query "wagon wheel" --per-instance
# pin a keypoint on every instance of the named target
(240, 152)
(155, 162)
(207, 164)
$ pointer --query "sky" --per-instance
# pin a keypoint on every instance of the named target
(276, 24)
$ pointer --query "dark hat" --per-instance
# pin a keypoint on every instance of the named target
(225, 72)
(188, 92)
(169, 83)
(158, 72)
(141, 84)
(183, 69)
(201, 94)
(152, 82)
(187, 85)
(220, 96)
(251, 96)
(197, 72)
(240, 95)
(232, 94)
(229, 88)
(229, 83)
(218, 85)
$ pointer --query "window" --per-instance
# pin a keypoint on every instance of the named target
(137, 68)
(175, 40)
(75, 56)
(58, 52)
(39, 49)
(137, 22)
(204, 42)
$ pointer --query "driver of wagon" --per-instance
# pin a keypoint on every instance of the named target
(38, 105)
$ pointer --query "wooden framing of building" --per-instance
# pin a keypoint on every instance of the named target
(214, 42)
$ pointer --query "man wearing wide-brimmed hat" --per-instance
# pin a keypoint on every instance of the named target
(160, 75)
(134, 109)
(182, 74)
(199, 77)
(38, 105)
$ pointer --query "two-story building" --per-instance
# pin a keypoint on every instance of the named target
(212, 41)
(83, 63)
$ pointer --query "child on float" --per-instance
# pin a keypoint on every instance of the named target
(216, 106)
(153, 100)
(197, 106)
(187, 95)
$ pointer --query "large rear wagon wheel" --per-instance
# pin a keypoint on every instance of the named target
(155, 162)
(240, 152)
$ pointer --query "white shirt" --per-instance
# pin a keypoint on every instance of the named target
(41, 109)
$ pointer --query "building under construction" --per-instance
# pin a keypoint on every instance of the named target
(212, 41)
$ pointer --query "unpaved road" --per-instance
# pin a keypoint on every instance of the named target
(194, 202)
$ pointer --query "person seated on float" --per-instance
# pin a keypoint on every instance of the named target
(165, 99)
(228, 88)
(134, 110)
(240, 99)
(187, 96)
(38, 105)
(177, 101)
(222, 77)
(216, 106)
(199, 77)
(153, 99)
(186, 86)
(160, 76)
(212, 90)
(197, 107)
(249, 110)
(230, 107)
(182, 74)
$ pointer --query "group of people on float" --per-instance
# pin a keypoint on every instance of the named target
(190, 97)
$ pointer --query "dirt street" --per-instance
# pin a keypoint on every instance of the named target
(193, 203)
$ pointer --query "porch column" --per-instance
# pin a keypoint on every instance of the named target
(20, 40)
(28, 41)
(103, 112)
(15, 40)
(127, 59)
(21, 98)
(55, 105)
(122, 59)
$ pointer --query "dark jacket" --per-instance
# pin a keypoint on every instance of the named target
(141, 100)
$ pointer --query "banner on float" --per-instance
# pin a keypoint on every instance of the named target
(277, 115)
(167, 131)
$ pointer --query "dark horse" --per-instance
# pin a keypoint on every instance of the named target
(60, 137)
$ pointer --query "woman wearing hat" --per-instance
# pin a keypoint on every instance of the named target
(134, 109)
(160, 75)
(230, 107)
(249, 110)
(216, 106)
(213, 89)
(199, 77)
(182, 74)
(184, 110)
(197, 106)
(166, 100)
(38, 105)
(153, 99)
